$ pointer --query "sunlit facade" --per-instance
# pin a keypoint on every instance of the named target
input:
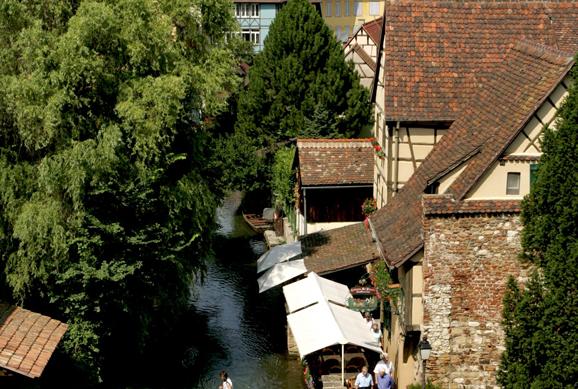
(345, 16)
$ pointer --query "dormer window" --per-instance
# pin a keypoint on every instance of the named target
(432, 188)
(513, 184)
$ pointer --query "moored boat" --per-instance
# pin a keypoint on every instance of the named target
(257, 222)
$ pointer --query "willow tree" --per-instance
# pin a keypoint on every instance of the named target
(540, 320)
(106, 204)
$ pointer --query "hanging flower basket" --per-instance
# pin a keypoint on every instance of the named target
(377, 149)
(368, 207)
(362, 305)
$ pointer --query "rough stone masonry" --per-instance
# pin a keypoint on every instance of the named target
(467, 261)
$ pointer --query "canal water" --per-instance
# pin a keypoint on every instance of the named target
(245, 332)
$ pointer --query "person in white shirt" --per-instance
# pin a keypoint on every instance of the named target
(226, 382)
(364, 379)
(385, 364)
(376, 333)
(368, 319)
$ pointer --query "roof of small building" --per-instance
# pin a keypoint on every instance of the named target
(373, 29)
(335, 162)
(504, 102)
(27, 340)
(436, 50)
(338, 249)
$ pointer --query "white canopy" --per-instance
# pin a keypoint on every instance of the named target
(280, 273)
(278, 254)
(325, 324)
(310, 290)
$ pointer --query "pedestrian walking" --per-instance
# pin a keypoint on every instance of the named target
(226, 382)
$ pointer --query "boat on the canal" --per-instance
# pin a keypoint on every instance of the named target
(257, 222)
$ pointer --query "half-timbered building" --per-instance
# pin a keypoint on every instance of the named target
(466, 91)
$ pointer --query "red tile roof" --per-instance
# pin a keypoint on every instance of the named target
(335, 161)
(338, 249)
(506, 98)
(435, 51)
(373, 29)
(27, 340)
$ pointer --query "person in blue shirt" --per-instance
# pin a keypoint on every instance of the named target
(364, 380)
(384, 380)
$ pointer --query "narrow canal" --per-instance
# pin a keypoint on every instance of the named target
(245, 331)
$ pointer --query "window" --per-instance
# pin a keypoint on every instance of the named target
(250, 35)
(338, 8)
(356, 8)
(346, 7)
(374, 8)
(247, 10)
(346, 32)
(338, 32)
(513, 184)
(328, 8)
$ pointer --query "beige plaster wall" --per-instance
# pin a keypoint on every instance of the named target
(447, 180)
(316, 227)
(492, 185)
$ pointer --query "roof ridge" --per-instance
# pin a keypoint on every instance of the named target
(543, 52)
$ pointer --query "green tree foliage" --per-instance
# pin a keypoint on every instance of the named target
(540, 321)
(106, 199)
(283, 178)
(300, 84)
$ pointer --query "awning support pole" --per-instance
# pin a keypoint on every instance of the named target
(343, 363)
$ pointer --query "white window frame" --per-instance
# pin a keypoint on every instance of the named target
(247, 10)
(346, 7)
(337, 7)
(513, 180)
(252, 35)
(328, 6)
(374, 8)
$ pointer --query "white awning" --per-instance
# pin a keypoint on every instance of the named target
(281, 273)
(325, 324)
(308, 291)
(278, 254)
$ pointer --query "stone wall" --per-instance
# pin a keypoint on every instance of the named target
(467, 261)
